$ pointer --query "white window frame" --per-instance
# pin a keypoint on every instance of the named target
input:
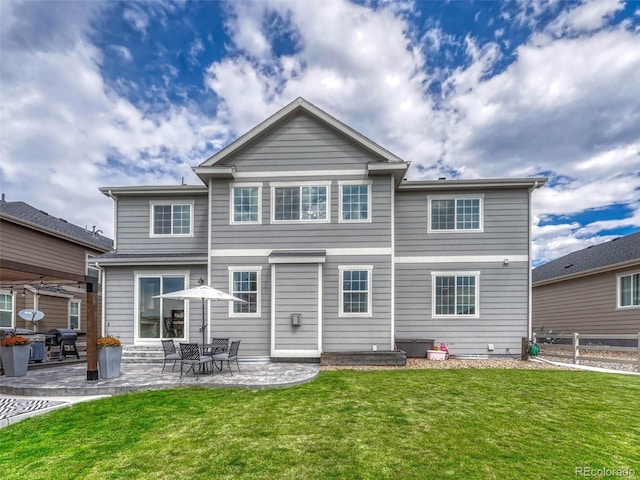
(13, 307)
(136, 311)
(619, 278)
(89, 260)
(160, 203)
(352, 268)
(79, 303)
(275, 185)
(456, 274)
(455, 198)
(249, 268)
(352, 183)
(233, 186)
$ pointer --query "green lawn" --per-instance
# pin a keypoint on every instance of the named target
(419, 424)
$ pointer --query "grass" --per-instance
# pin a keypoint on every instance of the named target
(484, 424)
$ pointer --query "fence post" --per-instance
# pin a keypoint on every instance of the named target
(576, 348)
(638, 352)
(524, 349)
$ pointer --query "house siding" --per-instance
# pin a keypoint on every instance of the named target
(503, 311)
(133, 225)
(586, 305)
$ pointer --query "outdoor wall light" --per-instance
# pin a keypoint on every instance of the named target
(296, 319)
(505, 261)
(201, 281)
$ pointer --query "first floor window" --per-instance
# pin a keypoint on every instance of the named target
(6, 310)
(629, 290)
(355, 291)
(246, 205)
(74, 314)
(245, 284)
(307, 204)
(453, 214)
(160, 317)
(455, 294)
(172, 219)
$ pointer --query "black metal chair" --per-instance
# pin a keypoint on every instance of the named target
(230, 356)
(220, 345)
(190, 353)
(170, 353)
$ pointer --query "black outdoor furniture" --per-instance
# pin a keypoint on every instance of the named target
(190, 355)
(170, 353)
(230, 356)
(64, 339)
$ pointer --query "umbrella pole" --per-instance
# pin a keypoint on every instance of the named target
(203, 324)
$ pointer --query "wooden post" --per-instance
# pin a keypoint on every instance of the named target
(92, 329)
(576, 348)
(524, 349)
(639, 352)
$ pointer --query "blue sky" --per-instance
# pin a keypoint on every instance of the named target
(136, 93)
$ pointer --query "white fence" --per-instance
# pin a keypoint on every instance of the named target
(549, 347)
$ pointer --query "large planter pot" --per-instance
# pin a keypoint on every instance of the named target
(109, 361)
(15, 360)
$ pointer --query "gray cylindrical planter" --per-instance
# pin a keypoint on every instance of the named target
(15, 360)
(109, 361)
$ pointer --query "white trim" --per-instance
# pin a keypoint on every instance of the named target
(13, 306)
(320, 308)
(619, 277)
(350, 268)
(300, 185)
(165, 203)
(435, 274)
(299, 173)
(265, 252)
(300, 259)
(209, 238)
(295, 353)
(343, 183)
(461, 259)
(248, 268)
(79, 303)
(273, 309)
(47, 293)
(393, 261)
(455, 198)
(137, 274)
(232, 188)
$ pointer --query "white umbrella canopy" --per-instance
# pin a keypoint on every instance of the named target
(201, 292)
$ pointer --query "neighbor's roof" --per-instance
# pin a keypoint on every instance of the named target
(30, 217)
(614, 253)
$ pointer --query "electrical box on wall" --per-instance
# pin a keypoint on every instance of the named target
(296, 319)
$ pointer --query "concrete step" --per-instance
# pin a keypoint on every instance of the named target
(142, 354)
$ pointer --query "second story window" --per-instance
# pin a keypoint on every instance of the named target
(355, 202)
(245, 204)
(455, 214)
(173, 219)
(300, 203)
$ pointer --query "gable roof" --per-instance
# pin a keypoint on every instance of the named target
(30, 217)
(300, 105)
(615, 253)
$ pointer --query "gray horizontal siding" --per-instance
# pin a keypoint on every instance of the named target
(506, 226)
(296, 292)
(584, 305)
(119, 301)
(503, 305)
(300, 144)
(133, 226)
(309, 235)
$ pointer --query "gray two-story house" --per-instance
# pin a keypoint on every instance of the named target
(333, 250)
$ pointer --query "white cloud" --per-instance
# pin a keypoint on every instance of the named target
(124, 52)
(588, 16)
(137, 18)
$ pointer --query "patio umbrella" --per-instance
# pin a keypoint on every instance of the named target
(202, 292)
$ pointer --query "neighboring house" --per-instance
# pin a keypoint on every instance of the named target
(591, 291)
(314, 225)
(43, 266)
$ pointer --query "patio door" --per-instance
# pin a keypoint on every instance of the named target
(296, 312)
(158, 318)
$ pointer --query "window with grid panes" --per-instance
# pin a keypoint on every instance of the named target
(246, 204)
(306, 203)
(174, 219)
(355, 203)
(455, 295)
(455, 214)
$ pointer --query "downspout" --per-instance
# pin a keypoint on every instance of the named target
(535, 186)
(209, 239)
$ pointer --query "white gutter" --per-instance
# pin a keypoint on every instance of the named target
(536, 184)
(115, 217)
(103, 300)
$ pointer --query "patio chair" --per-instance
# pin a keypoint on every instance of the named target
(190, 353)
(220, 345)
(230, 356)
(170, 353)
